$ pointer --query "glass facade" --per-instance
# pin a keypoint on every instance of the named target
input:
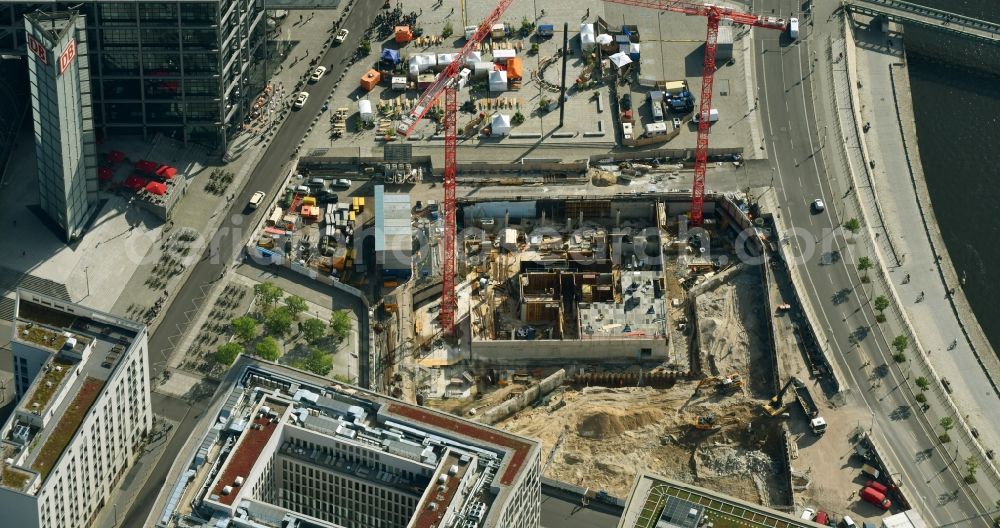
(189, 70)
(64, 137)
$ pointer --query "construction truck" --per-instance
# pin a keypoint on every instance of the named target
(726, 385)
(816, 422)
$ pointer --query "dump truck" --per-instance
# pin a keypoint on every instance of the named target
(805, 399)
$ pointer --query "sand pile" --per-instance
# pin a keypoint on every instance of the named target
(612, 422)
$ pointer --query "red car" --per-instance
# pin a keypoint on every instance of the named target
(821, 518)
(875, 497)
(877, 486)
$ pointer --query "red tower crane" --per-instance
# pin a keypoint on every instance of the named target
(444, 84)
(715, 14)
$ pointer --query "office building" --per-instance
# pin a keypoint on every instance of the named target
(186, 69)
(83, 408)
(63, 123)
(288, 449)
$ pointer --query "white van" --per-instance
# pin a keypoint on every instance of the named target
(256, 199)
(713, 115)
(793, 28)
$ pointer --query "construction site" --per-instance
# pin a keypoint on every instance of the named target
(624, 344)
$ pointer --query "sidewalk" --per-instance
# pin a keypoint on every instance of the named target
(905, 250)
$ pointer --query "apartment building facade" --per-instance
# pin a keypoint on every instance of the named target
(81, 419)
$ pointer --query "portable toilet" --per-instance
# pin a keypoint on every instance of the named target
(470, 31)
(365, 110)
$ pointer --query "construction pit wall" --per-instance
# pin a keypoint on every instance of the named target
(577, 279)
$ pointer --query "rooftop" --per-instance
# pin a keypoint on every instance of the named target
(66, 427)
(432, 509)
(654, 498)
(246, 454)
(84, 347)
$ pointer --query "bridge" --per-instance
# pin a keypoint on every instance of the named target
(912, 14)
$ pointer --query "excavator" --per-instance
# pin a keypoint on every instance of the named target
(707, 422)
(724, 385)
(776, 406)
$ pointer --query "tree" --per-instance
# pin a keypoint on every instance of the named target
(245, 328)
(267, 348)
(318, 362)
(947, 423)
(517, 119)
(447, 30)
(340, 324)
(314, 330)
(864, 264)
(279, 321)
(295, 305)
(366, 46)
(853, 225)
(923, 383)
(971, 464)
(268, 293)
(881, 303)
(228, 352)
(900, 343)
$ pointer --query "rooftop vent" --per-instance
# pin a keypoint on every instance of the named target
(432, 506)
(238, 482)
(227, 490)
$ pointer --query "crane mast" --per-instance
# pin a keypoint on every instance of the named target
(445, 85)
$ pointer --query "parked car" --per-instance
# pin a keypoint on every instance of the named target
(256, 199)
(847, 522)
(341, 36)
(808, 514)
(327, 197)
(342, 183)
(877, 486)
(300, 100)
(626, 102)
(821, 518)
(876, 497)
(318, 73)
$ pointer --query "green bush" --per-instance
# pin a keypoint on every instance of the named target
(267, 348)
(447, 30)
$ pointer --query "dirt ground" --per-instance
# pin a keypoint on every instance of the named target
(604, 437)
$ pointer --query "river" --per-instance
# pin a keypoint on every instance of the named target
(958, 126)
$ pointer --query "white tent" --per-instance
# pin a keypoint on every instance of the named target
(587, 41)
(500, 125)
(473, 57)
(620, 59)
(604, 39)
(504, 54)
(398, 83)
(365, 109)
(463, 77)
(481, 69)
(587, 28)
(444, 59)
(498, 81)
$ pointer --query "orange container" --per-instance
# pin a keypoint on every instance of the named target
(370, 80)
(403, 34)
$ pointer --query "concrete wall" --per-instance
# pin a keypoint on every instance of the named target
(560, 351)
(511, 406)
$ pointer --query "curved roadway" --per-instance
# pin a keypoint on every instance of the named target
(931, 477)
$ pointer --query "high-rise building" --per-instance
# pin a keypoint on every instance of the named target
(288, 449)
(63, 123)
(186, 69)
(83, 408)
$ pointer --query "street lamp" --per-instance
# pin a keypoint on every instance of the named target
(872, 426)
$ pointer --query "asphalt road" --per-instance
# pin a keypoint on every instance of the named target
(268, 176)
(833, 285)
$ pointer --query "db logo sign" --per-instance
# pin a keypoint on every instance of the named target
(67, 56)
(38, 49)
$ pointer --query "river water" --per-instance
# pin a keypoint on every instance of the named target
(958, 126)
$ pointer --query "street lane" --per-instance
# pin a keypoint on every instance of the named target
(785, 74)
